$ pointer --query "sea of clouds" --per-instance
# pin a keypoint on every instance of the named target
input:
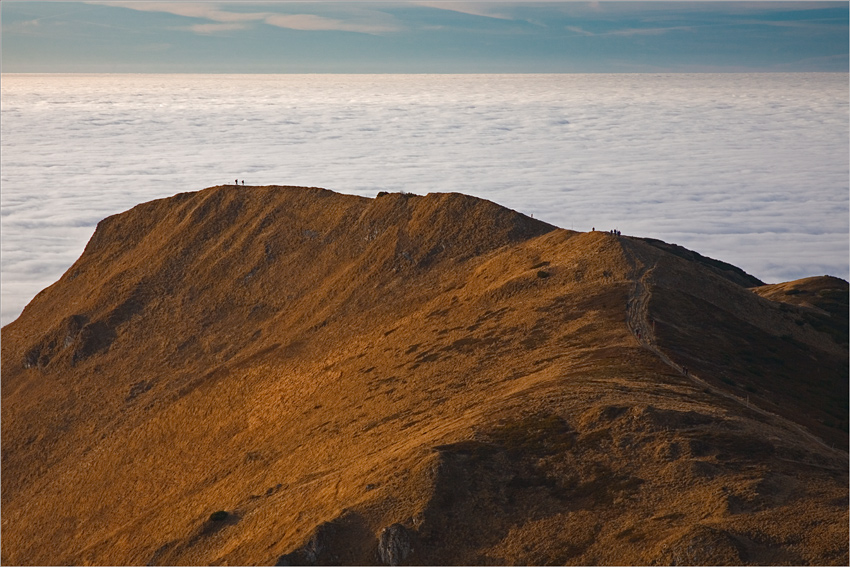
(751, 169)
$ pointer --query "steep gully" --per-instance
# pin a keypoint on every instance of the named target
(639, 322)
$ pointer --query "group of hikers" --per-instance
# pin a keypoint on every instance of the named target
(236, 182)
(613, 231)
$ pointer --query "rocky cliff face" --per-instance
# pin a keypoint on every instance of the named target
(288, 375)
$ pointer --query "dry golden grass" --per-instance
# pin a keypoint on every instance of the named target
(322, 366)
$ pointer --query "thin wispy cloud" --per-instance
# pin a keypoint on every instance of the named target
(814, 24)
(202, 10)
(370, 23)
(318, 23)
(579, 31)
(206, 29)
(628, 32)
(495, 10)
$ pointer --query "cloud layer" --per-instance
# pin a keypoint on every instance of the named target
(750, 169)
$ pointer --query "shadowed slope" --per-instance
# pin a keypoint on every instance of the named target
(419, 379)
(824, 300)
(788, 359)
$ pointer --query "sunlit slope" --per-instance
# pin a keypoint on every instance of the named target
(323, 366)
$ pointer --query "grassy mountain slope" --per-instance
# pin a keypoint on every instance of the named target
(425, 380)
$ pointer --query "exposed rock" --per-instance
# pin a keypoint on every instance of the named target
(32, 356)
(394, 544)
(332, 543)
(54, 342)
(94, 337)
(73, 326)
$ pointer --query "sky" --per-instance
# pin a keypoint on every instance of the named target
(423, 37)
(661, 137)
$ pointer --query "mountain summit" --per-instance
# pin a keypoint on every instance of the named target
(288, 375)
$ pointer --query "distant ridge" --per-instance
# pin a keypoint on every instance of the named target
(288, 375)
(728, 271)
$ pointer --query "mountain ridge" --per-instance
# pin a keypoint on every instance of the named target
(323, 367)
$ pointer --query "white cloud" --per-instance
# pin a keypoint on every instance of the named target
(749, 169)
(362, 21)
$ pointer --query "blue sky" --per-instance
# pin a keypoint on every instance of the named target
(423, 37)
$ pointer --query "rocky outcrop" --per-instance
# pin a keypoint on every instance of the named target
(394, 545)
(340, 541)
